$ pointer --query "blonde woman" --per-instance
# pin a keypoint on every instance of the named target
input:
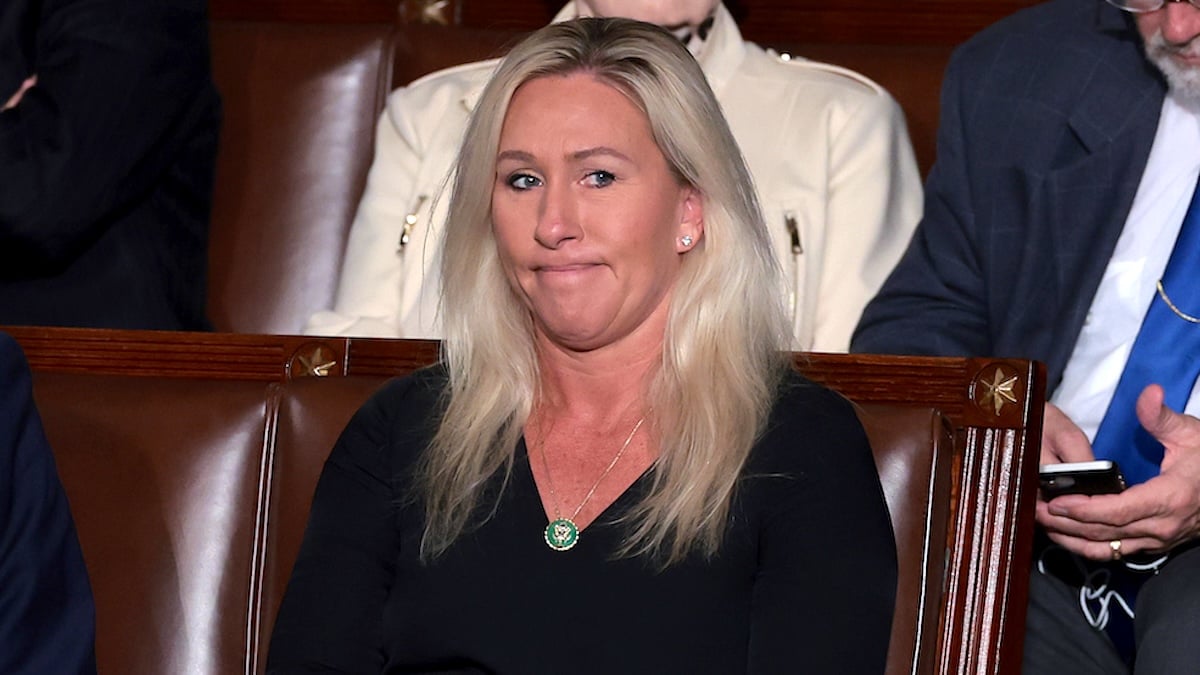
(614, 469)
(828, 150)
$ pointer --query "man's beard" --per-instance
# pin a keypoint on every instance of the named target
(1184, 81)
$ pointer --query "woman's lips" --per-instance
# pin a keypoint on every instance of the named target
(566, 267)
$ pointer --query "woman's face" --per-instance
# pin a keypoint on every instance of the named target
(666, 13)
(587, 214)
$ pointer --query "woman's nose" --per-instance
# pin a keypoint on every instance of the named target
(558, 216)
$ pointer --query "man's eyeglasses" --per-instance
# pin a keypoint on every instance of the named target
(1143, 6)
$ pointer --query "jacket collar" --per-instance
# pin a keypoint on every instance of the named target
(1114, 121)
(1123, 76)
(719, 55)
(722, 53)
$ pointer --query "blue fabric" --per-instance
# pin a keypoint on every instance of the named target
(1166, 351)
(47, 618)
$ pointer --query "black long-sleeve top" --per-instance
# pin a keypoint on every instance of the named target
(804, 581)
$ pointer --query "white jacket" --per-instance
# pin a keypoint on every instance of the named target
(827, 148)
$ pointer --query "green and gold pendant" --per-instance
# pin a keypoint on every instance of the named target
(561, 534)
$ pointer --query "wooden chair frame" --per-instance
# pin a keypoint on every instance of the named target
(994, 405)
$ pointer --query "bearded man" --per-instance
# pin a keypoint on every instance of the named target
(1062, 223)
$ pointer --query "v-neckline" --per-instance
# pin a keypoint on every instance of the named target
(636, 488)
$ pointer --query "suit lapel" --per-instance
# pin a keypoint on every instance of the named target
(1088, 194)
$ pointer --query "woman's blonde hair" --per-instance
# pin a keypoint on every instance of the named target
(724, 348)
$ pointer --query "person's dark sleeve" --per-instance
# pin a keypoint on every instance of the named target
(935, 300)
(117, 79)
(331, 616)
(47, 617)
(825, 592)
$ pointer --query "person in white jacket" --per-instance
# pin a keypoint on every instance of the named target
(827, 148)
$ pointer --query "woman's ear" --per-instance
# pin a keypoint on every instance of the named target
(691, 221)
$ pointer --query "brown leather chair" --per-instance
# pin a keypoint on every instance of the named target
(162, 476)
(301, 101)
(425, 48)
(914, 447)
(190, 461)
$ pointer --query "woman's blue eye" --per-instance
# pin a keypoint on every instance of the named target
(601, 178)
(523, 181)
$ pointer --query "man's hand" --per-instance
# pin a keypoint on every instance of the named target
(1062, 439)
(16, 98)
(1151, 517)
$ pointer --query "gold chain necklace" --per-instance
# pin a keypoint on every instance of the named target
(1162, 293)
(562, 533)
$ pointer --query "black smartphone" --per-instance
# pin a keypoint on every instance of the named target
(1099, 477)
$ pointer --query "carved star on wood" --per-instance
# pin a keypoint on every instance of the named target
(999, 392)
(313, 360)
(427, 11)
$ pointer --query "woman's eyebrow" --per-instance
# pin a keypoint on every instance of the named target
(516, 155)
(577, 156)
(599, 150)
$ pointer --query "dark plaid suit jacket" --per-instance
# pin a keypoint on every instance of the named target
(1046, 126)
(47, 618)
(106, 166)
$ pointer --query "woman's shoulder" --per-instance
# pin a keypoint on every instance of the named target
(813, 457)
(801, 399)
(403, 409)
(814, 80)
(413, 397)
(810, 424)
(808, 93)
(433, 111)
(436, 93)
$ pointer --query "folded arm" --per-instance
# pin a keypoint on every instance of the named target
(115, 79)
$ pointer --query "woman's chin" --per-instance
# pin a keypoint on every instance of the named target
(577, 333)
(578, 340)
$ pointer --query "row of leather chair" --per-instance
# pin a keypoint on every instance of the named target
(190, 459)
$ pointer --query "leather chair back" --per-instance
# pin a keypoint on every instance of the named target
(190, 497)
(425, 48)
(163, 476)
(914, 453)
(301, 101)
